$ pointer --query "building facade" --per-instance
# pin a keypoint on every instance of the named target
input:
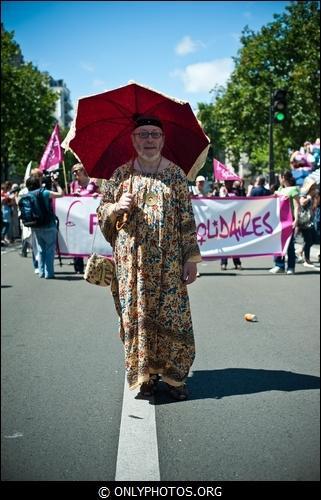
(63, 103)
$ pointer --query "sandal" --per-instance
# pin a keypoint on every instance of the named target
(148, 388)
(179, 393)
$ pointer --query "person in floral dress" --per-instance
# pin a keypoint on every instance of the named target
(156, 255)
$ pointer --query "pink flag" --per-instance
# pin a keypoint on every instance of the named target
(223, 173)
(52, 155)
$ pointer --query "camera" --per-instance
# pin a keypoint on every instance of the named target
(49, 177)
(55, 176)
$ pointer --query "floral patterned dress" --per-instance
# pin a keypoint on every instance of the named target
(149, 252)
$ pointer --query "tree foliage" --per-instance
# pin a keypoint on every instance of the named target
(212, 125)
(283, 55)
(27, 107)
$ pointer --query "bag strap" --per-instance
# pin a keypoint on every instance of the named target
(121, 223)
(93, 243)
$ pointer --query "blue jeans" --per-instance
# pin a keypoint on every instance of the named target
(280, 261)
(34, 250)
(5, 229)
(46, 248)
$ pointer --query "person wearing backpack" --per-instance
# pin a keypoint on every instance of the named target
(36, 213)
(27, 237)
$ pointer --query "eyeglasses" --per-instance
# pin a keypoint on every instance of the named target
(145, 134)
(76, 172)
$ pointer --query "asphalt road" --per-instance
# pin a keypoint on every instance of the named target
(253, 413)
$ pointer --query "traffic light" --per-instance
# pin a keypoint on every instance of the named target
(279, 106)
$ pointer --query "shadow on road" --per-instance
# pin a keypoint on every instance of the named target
(68, 278)
(217, 384)
(219, 273)
(244, 272)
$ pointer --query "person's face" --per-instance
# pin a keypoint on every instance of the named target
(79, 174)
(148, 141)
(200, 185)
(312, 190)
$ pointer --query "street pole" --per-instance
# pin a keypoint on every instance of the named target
(271, 152)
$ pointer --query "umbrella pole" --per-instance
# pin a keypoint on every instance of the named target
(65, 177)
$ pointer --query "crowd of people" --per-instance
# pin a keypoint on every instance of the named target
(294, 183)
(41, 242)
(10, 226)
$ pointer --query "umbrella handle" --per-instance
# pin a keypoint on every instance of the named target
(121, 223)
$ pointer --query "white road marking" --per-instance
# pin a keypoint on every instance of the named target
(137, 458)
(15, 435)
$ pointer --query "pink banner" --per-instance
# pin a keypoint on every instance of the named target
(226, 227)
(52, 155)
(79, 233)
(223, 173)
(242, 226)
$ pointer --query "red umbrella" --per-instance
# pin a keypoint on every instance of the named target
(100, 134)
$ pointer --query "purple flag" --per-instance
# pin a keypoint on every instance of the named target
(52, 155)
(223, 173)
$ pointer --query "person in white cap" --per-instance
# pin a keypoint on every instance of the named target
(199, 188)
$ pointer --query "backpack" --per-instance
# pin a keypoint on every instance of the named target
(305, 217)
(33, 209)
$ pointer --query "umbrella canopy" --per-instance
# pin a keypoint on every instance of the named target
(100, 136)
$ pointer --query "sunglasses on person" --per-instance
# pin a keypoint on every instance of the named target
(145, 135)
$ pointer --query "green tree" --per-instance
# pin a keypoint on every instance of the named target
(283, 55)
(27, 107)
(212, 125)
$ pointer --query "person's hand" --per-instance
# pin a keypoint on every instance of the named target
(125, 203)
(189, 272)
